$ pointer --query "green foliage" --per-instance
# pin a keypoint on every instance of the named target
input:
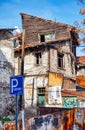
(4, 119)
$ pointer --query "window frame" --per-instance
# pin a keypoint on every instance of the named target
(51, 37)
(60, 60)
(38, 56)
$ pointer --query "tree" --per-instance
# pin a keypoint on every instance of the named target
(78, 27)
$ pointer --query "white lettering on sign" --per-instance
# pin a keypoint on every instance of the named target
(14, 84)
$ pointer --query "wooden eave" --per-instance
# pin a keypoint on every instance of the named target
(40, 44)
(72, 93)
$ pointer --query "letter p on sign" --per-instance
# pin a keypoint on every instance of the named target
(16, 85)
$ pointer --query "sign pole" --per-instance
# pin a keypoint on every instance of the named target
(22, 73)
(16, 112)
(16, 88)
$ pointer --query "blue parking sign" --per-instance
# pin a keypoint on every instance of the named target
(16, 85)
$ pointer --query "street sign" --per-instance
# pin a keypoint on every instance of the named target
(16, 85)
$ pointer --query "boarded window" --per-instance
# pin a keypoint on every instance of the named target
(41, 90)
(47, 37)
(60, 60)
(38, 58)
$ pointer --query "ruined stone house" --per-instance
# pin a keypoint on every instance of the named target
(50, 51)
(6, 70)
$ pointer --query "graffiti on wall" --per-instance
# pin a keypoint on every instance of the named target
(57, 121)
(70, 102)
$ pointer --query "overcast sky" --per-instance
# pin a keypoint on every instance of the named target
(66, 11)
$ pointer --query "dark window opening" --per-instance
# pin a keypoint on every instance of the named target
(42, 38)
(47, 37)
(60, 60)
(38, 58)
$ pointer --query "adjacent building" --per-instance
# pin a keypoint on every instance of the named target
(80, 79)
(6, 70)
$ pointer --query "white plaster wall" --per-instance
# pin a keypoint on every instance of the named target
(81, 71)
(28, 100)
(31, 68)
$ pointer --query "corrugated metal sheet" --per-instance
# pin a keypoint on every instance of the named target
(79, 118)
(55, 121)
(55, 79)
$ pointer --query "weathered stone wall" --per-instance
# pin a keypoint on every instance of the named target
(68, 69)
(6, 70)
(49, 60)
(30, 66)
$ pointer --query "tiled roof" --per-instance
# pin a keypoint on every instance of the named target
(80, 60)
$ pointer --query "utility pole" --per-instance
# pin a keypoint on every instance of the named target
(21, 98)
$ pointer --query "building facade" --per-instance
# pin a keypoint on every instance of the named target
(49, 60)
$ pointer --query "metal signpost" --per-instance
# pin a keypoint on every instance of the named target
(16, 88)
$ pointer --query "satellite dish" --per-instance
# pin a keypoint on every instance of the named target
(17, 29)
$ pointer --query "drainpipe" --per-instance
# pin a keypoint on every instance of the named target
(33, 92)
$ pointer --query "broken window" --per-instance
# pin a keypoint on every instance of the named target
(38, 58)
(60, 60)
(47, 37)
(41, 97)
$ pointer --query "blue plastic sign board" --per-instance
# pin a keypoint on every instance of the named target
(16, 85)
